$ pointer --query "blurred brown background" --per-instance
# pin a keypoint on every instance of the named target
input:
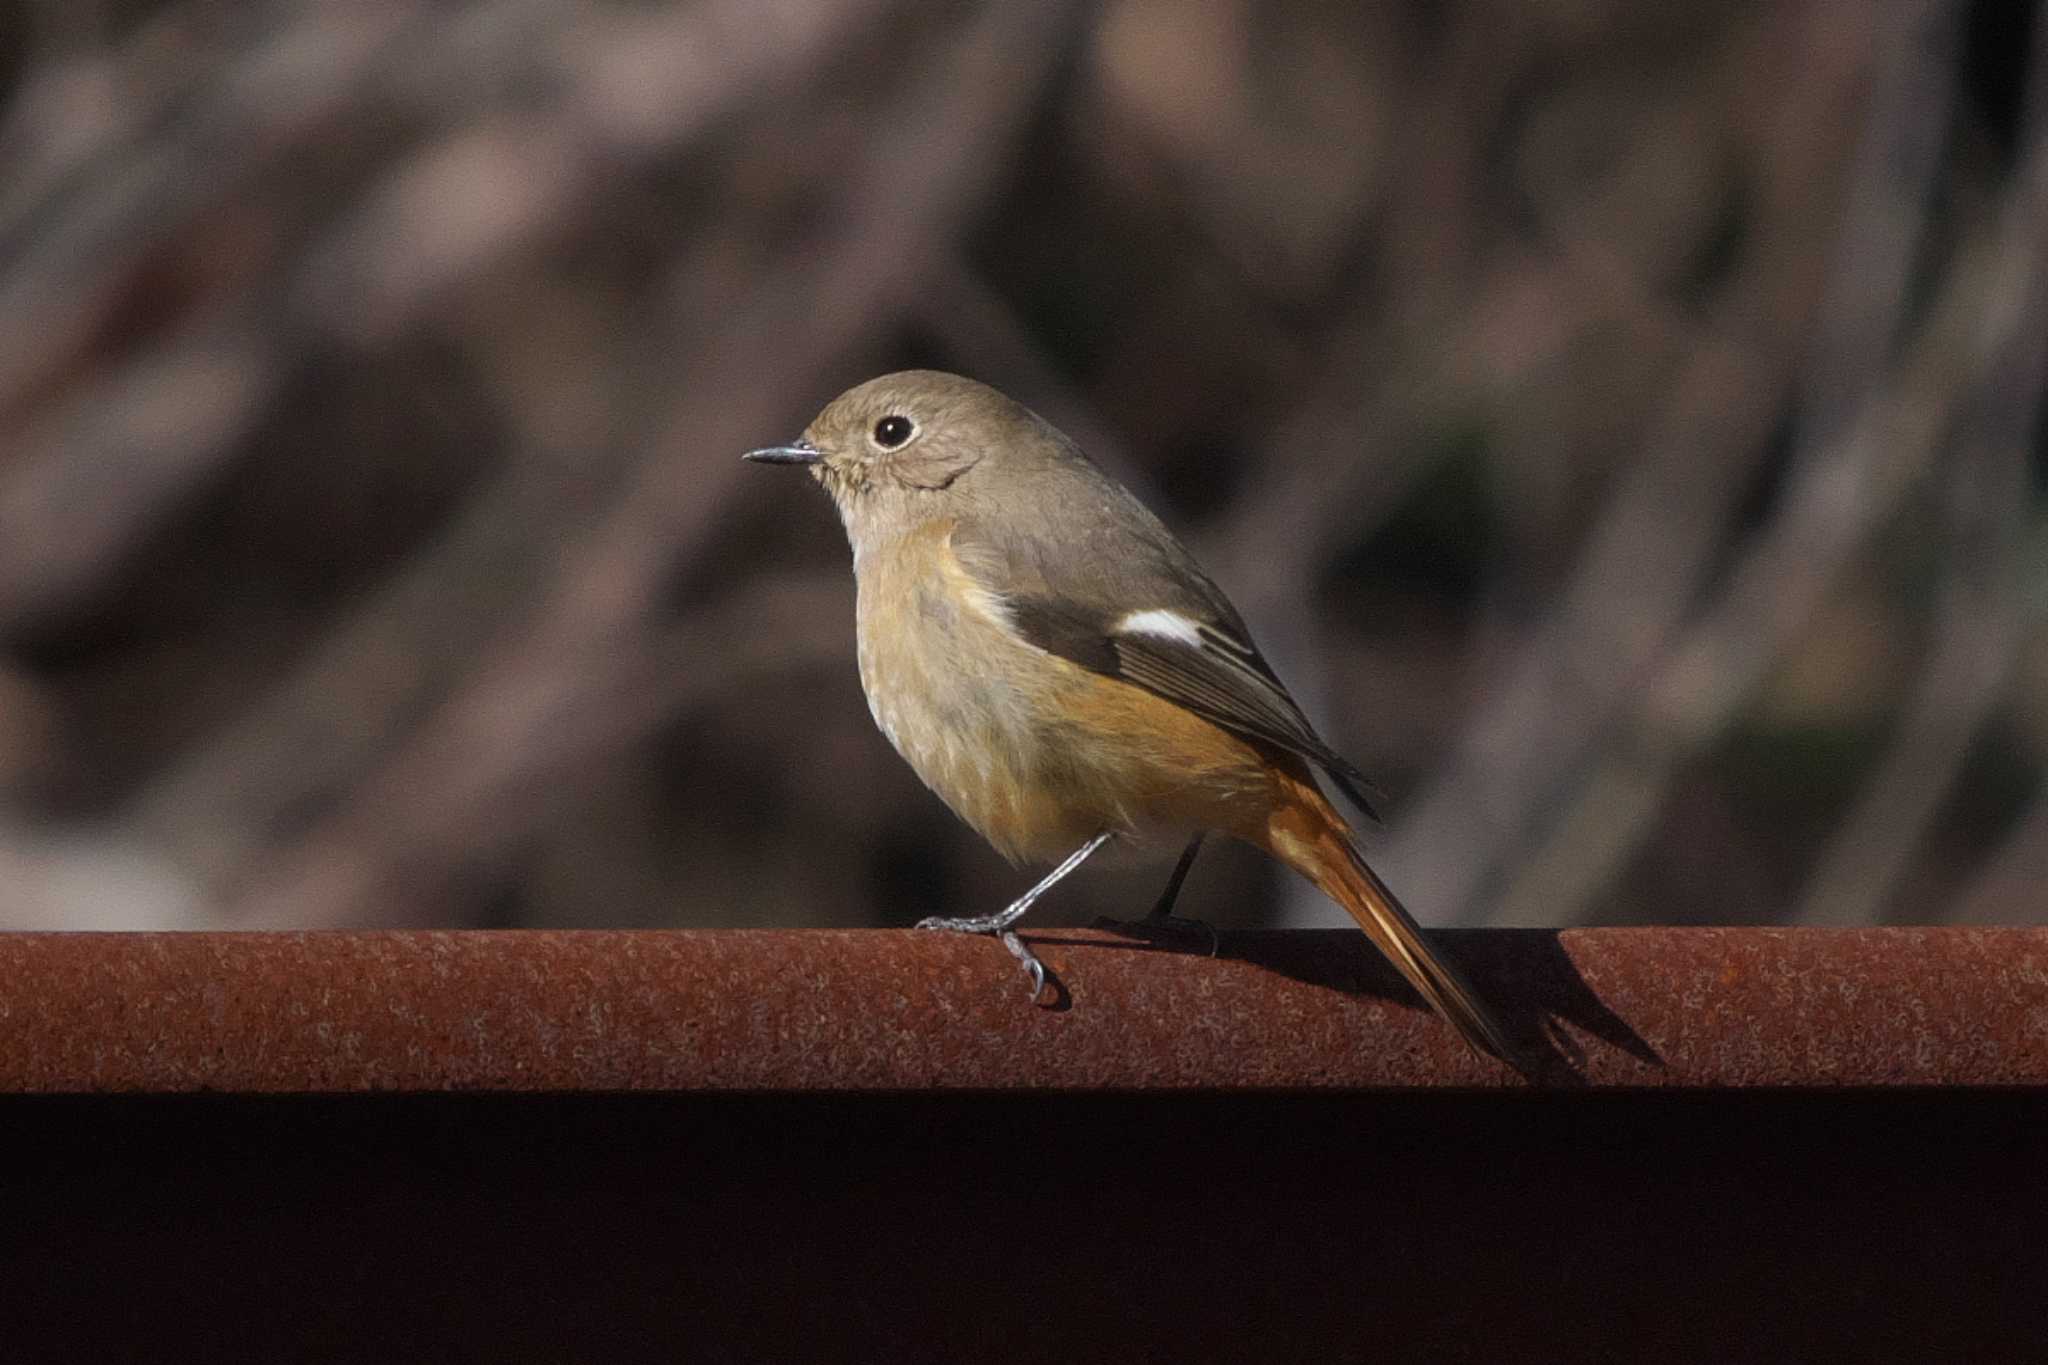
(1621, 423)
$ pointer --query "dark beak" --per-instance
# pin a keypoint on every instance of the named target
(797, 452)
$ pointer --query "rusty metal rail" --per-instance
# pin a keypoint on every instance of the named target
(774, 1011)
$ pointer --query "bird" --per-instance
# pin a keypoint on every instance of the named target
(1059, 670)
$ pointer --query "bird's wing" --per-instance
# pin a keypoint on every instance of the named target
(1121, 597)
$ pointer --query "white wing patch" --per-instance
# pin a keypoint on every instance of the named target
(1164, 624)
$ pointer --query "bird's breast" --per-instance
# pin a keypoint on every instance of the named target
(967, 702)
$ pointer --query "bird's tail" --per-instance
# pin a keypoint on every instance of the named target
(1306, 832)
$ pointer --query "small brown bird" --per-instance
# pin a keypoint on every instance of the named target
(1062, 673)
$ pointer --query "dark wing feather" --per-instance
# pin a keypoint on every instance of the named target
(1114, 558)
(1226, 680)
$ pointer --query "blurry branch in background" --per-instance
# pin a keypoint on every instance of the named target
(456, 777)
(95, 470)
(2008, 886)
(1994, 594)
(1971, 378)
(1984, 616)
(1652, 546)
(506, 756)
(1840, 493)
(2010, 882)
(1864, 432)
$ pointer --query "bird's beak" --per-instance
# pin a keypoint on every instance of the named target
(796, 452)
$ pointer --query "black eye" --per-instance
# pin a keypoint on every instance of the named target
(891, 432)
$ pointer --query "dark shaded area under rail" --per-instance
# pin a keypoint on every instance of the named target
(1785, 1225)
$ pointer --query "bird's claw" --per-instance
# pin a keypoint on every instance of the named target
(1033, 968)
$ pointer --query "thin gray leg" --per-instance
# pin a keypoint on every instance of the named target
(1000, 922)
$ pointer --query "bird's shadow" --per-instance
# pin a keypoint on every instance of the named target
(1525, 974)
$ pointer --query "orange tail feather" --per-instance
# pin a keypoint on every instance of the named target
(1306, 832)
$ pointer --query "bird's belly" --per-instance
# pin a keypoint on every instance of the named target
(957, 703)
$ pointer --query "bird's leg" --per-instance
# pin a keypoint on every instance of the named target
(1000, 922)
(1161, 919)
(1162, 909)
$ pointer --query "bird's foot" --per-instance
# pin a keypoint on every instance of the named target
(999, 926)
(970, 924)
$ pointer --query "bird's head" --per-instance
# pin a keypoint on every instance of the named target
(890, 451)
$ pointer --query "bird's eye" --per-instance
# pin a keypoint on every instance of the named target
(893, 431)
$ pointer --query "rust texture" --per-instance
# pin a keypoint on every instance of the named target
(882, 1010)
